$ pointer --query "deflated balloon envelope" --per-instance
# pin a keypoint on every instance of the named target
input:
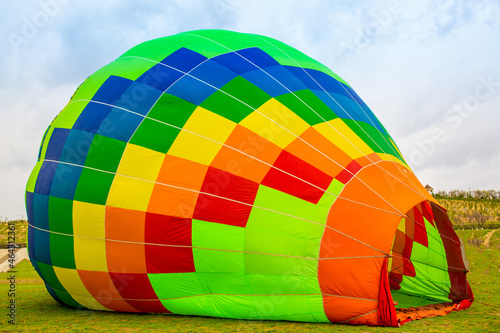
(226, 174)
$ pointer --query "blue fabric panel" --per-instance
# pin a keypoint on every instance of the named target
(234, 62)
(348, 108)
(213, 73)
(139, 98)
(31, 248)
(45, 177)
(191, 90)
(354, 95)
(91, 117)
(56, 143)
(160, 77)
(65, 181)
(111, 90)
(184, 59)
(42, 246)
(327, 82)
(258, 57)
(120, 125)
(286, 78)
(40, 211)
(77, 147)
(304, 77)
(29, 206)
(265, 82)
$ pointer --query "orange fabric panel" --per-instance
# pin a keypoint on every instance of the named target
(334, 161)
(182, 173)
(366, 224)
(245, 161)
(370, 319)
(339, 309)
(126, 257)
(368, 159)
(335, 245)
(358, 278)
(125, 224)
(171, 201)
(100, 286)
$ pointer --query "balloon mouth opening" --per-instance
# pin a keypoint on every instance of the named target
(426, 266)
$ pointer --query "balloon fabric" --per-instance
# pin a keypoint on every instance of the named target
(225, 174)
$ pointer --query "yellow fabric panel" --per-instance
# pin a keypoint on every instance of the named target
(88, 219)
(130, 193)
(90, 254)
(71, 281)
(202, 136)
(343, 137)
(402, 226)
(276, 123)
(209, 124)
(140, 162)
(194, 148)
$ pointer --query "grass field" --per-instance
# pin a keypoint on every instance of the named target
(37, 311)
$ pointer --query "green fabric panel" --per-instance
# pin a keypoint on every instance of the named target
(93, 186)
(62, 251)
(174, 285)
(229, 306)
(214, 305)
(432, 282)
(154, 135)
(222, 236)
(61, 215)
(283, 202)
(49, 276)
(285, 307)
(30, 186)
(377, 141)
(276, 284)
(228, 102)
(129, 68)
(158, 49)
(276, 265)
(69, 115)
(218, 261)
(45, 142)
(301, 102)
(268, 242)
(225, 283)
(172, 110)
(105, 153)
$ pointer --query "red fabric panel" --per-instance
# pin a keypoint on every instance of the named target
(386, 311)
(297, 187)
(427, 211)
(169, 259)
(227, 186)
(149, 306)
(350, 170)
(420, 231)
(169, 230)
(133, 286)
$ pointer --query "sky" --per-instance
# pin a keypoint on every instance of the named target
(428, 70)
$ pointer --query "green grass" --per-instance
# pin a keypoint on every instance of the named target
(37, 311)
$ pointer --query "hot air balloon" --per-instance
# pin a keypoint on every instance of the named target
(225, 174)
